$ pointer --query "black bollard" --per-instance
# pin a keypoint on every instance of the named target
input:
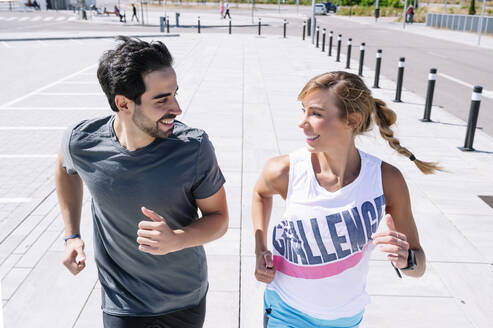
(361, 58)
(377, 68)
(259, 25)
(304, 30)
(348, 58)
(198, 25)
(162, 23)
(318, 36)
(473, 118)
(285, 22)
(323, 39)
(339, 40)
(400, 77)
(429, 95)
(230, 26)
(331, 37)
(167, 24)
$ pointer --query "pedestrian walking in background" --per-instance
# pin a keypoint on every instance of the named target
(410, 14)
(227, 10)
(134, 13)
(221, 9)
(336, 196)
(148, 174)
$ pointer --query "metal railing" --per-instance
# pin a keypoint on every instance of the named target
(464, 23)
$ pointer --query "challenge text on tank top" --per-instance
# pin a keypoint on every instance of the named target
(322, 243)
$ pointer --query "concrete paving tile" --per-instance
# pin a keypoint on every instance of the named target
(478, 230)
(49, 288)
(37, 249)
(91, 315)
(383, 281)
(223, 273)
(35, 233)
(229, 244)
(453, 245)
(222, 309)
(12, 281)
(8, 264)
(252, 295)
(472, 285)
(427, 312)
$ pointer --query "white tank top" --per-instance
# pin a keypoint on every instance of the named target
(322, 244)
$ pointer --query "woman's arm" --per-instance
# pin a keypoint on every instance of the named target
(405, 235)
(273, 180)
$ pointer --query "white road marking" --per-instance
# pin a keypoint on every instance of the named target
(438, 55)
(486, 93)
(71, 94)
(15, 200)
(71, 19)
(56, 108)
(79, 82)
(11, 19)
(47, 19)
(2, 156)
(10, 103)
(30, 128)
(60, 19)
(6, 44)
(34, 19)
(23, 19)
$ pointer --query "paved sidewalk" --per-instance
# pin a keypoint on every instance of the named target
(468, 38)
(242, 90)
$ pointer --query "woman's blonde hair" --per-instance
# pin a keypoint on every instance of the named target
(352, 96)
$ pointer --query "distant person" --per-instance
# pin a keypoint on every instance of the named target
(227, 10)
(410, 14)
(36, 5)
(117, 13)
(134, 13)
(221, 9)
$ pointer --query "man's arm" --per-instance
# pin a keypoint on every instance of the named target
(156, 237)
(69, 190)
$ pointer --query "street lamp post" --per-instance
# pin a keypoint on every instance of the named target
(481, 22)
(404, 16)
(312, 27)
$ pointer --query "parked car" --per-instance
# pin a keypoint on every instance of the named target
(320, 9)
(329, 6)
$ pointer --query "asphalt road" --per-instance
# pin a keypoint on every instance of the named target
(463, 64)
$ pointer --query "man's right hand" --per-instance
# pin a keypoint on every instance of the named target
(265, 271)
(74, 258)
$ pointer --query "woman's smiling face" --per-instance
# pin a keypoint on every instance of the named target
(321, 122)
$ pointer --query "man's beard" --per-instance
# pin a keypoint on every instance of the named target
(149, 127)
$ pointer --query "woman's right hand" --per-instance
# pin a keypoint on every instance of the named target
(264, 270)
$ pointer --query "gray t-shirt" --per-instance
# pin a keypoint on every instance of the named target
(166, 176)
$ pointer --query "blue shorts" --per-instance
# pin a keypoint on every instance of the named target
(277, 314)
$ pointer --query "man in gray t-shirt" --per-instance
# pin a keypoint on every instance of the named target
(148, 174)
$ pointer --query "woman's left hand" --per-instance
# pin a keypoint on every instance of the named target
(393, 243)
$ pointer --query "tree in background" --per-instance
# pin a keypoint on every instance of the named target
(472, 8)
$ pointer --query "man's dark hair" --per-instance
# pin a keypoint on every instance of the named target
(121, 71)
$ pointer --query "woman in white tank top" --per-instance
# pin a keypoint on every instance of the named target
(336, 196)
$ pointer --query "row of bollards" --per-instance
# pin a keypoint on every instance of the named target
(475, 98)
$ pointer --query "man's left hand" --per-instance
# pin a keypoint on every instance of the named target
(156, 237)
